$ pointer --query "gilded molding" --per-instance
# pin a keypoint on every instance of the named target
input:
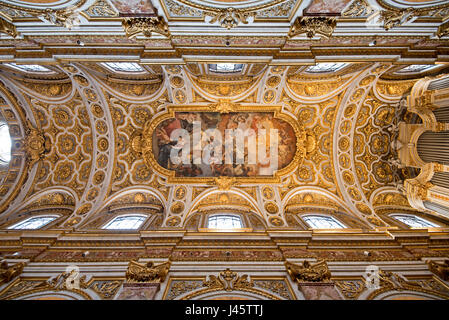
(351, 289)
(390, 281)
(302, 144)
(226, 280)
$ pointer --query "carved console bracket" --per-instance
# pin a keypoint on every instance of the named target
(7, 273)
(440, 269)
(8, 28)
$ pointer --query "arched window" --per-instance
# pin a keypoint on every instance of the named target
(28, 67)
(326, 67)
(33, 222)
(123, 66)
(322, 222)
(5, 143)
(414, 221)
(222, 221)
(129, 222)
(415, 68)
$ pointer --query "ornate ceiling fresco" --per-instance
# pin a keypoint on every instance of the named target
(86, 130)
(86, 138)
(109, 105)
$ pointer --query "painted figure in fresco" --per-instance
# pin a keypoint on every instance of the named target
(253, 124)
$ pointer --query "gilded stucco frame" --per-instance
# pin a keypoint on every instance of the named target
(151, 162)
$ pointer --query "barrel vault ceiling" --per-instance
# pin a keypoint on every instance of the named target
(78, 129)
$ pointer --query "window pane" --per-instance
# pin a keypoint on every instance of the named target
(224, 222)
(415, 68)
(414, 221)
(33, 223)
(123, 66)
(125, 222)
(5, 143)
(29, 67)
(323, 222)
(226, 67)
(326, 67)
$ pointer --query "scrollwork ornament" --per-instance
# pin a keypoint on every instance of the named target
(392, 19)
(358, 8)
(228, 280)
(101, 8)
(225, 183)
(36, 144)
(224, 106)
(61, 281)
(230, 17)
(62, 18)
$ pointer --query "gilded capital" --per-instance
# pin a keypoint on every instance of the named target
(145, 25)
(440, 269)
(313, 25)
(7, 273)
(147, 272)
(307, 272)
